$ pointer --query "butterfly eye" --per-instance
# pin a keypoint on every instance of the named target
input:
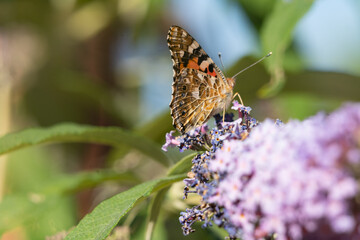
(183, 113)
(184, 88)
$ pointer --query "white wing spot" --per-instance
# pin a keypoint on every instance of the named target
(190, 49)
(204, 64)
(196, 95)
(194, 45)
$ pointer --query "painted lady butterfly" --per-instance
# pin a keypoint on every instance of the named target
(199, 90)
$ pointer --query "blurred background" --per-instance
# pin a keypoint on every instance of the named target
(106, 63)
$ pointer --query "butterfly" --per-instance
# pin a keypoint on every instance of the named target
(199, 89)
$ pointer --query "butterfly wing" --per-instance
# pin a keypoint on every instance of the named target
(196, 97)
(199, 89)
(186, 52)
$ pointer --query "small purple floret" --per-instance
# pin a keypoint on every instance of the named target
(171, 141)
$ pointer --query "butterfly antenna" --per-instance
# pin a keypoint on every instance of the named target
(268, 55)
(222, 65)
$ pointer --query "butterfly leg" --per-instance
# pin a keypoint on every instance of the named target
(223, 115)
(237, 94)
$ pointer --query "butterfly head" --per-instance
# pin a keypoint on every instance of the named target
(231, 81)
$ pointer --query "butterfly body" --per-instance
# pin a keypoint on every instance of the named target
(199, 90)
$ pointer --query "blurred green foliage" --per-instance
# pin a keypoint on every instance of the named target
(62, 63)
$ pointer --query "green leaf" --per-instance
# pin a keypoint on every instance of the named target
(162, 124)
(27, 207)
(154, 211)
(182, 166)
(69, 132)
(99, 223)
(276, 36)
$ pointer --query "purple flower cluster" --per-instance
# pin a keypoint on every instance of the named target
(286, 179)
(289, 181)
